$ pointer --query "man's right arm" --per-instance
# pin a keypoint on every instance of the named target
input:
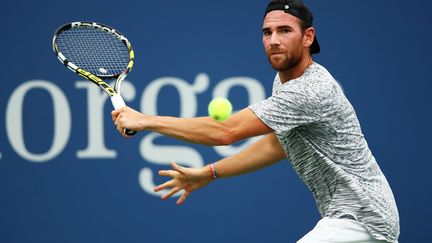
(202, 130)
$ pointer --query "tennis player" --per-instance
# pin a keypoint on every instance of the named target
(308, 120)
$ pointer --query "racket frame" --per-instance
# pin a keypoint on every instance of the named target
(97, 79)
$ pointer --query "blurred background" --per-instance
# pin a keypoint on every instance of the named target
(66, 175)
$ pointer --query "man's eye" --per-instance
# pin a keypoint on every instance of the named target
(285, 31)
(266, 33)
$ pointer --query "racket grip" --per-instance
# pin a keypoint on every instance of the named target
(118, 103)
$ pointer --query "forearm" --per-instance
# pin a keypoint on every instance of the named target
(205, 130)
(201, 130)
(263, 153)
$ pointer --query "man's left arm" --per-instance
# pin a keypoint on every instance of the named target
(262, 153)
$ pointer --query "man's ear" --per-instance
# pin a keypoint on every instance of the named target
(308, 37)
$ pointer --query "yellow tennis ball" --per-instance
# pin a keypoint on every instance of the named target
(220, 109)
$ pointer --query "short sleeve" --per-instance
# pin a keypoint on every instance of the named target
(290, 106)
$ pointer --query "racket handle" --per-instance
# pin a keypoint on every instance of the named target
(129, 132)
(118, 103)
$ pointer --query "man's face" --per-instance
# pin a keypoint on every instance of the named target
(283, 40)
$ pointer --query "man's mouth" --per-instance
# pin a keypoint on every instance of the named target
(276, 53)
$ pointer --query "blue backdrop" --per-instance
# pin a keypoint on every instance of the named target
(63, 179)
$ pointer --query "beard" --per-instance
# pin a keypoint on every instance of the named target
(283, 62)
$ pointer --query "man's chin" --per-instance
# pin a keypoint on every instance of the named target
(277, 66)
(283, 64)
(276, 63)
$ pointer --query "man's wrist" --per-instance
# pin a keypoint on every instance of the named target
(213, 172)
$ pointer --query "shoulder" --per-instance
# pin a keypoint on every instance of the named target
(308, 87)
(323, 84)
(318, 77)
(316, 88)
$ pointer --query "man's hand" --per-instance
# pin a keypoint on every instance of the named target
(187, 179)
(129, 118)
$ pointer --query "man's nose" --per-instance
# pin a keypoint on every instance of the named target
(274, 38)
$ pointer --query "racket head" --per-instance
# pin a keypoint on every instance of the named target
(94, 51)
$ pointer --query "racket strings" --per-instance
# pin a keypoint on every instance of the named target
(94, 50)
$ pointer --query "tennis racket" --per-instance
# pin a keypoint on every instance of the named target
(98, 53)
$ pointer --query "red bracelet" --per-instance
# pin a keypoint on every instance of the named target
(213, 172)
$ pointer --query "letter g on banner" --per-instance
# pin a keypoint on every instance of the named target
(162, 154)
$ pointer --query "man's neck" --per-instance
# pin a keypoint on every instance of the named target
(296, 71)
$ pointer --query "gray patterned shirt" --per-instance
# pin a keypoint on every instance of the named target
(319, 130)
